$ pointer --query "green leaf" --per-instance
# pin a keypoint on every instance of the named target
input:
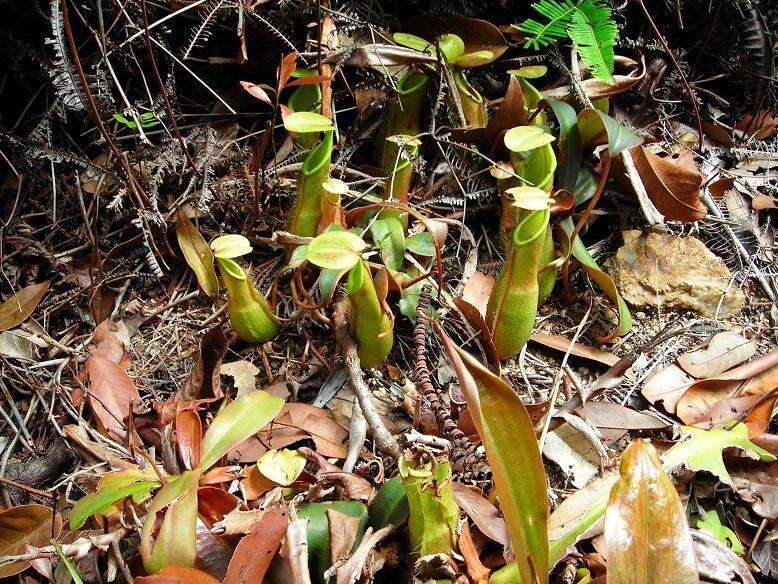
(299, 255)
(197, 254)
(701, 449)
(68, 563)
(529, 198)
(711, 522)
(413, 42)
(505, 429)
(236, 422)
(570, 146)
(281, 466)
(646, 533)
(122, 120)
(473, 59)
(530, 72)
(336, 250)
(524, 138)
(176, 542)
(328, 280)
(597, 127)
(99, 502)
(390, 505)
(388, 235)
(421, 244)
(452, 47)
(305, 122)
(231, 246)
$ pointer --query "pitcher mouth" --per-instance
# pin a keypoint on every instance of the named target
(531, 228)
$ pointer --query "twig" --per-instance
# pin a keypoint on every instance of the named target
(348, 348)
(357, 432)
(296, 547)
(350, 572)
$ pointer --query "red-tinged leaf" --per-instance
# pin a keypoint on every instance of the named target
(646, 532)
(477, 291)
(257, 91)
(189, 436)
(204, 379)
(561, 343)
(178, 575)
(505, 428)
(21, 305)
(21, 526)
(214, 503)
(475, 569)
(310, 80)
(476, 319)
(285, 70)
(255, 551)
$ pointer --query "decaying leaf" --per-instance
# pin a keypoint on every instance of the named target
(21, 526)
(253, 554)
(725, 350)
(21, 305)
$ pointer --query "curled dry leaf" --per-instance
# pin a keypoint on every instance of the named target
(21, 526)
(725, 350)
(561, 343)
(485, 515)
(646, 532)
(672, 184)
(21, 305)
(111, 391)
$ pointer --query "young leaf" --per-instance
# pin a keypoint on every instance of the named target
(646, 532)
(701, 449)
(99, 502)
(231, 246)
(421, 244)
(711, 522)
(197, 254)
(304, 122)
(505, 428)
(336, 250)
(525, 138)
(21, 305)
(530, 72)
(237, 421)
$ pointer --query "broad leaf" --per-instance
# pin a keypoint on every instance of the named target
(505, 428)
(597, 127)
(305, 122)
(336, 250)
(712, 523)
(197, 254)
(21, 526)
(390, 505)
(646, 532)
(236, 422)
(281, 466)
(701, 449)
(21, 305)
(421, 244)
(529, 198)
(231, 246)
(524, 138)
(101, 501)
(254, 552)
(388, 236)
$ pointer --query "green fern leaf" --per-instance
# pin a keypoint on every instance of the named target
(593, 33)
(588, 23)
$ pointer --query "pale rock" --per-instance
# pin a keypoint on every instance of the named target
(660, 269)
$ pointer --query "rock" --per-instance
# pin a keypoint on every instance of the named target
(679, 272)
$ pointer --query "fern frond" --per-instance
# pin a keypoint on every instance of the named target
(559, 17)
(63, 74)
(588, 23)
(594, 33)
(201, 33)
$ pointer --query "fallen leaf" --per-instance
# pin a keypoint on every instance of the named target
(757, 483)
(299, 421)
(475, 569)
(485, 515)
(244, 374)
(178, 575)
(204, 379)
(21, 305)
(765, 555)
(561, 343)
(343, 533)
(672, 184)
(254, 553)
(610, 415)
(477, 291)
(717, 563)
(667, 386)
(240, 522)
(18, 344)
(355, 486)
(21, 526)
(646, 532)
(725, 350)
(281, 466)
